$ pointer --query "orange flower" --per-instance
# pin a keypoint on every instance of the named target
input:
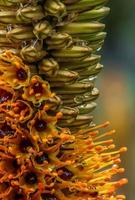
(37, 90)
(42, 127)
(13, 70)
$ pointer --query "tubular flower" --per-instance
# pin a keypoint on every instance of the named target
(13, 70)
(42, 126)
(39, 160)
(37, 90)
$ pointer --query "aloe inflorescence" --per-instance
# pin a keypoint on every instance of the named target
(49, 147)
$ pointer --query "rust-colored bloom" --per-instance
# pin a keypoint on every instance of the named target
(13, 70)
(37, 90)
(43, 127)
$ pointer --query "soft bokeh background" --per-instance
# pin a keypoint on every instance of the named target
(117, 83)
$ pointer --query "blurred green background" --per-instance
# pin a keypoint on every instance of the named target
(117, 84)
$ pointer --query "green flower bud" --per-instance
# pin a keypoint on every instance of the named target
(48, 67)
(20, 33)
(42, 29)
(8, 17)
(55, 8)
(32, 53)
(59, 41)
(29, 14)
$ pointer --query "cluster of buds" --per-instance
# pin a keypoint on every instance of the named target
(61, 39)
